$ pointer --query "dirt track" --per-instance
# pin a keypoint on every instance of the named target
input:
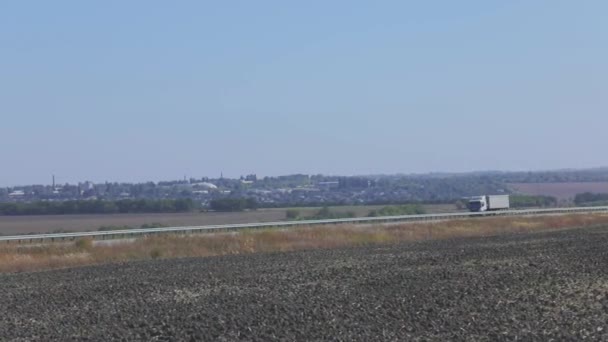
(528, 287)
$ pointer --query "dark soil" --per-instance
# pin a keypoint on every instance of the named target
(550, 286)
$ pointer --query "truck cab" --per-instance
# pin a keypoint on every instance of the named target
(478, 203)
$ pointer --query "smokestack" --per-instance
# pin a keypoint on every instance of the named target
(53, 182)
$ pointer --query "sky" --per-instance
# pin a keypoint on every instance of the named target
(155, 90)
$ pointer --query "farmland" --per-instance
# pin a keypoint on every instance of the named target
(36, 257)
(561, 191)
(538, 286)
(10, 225)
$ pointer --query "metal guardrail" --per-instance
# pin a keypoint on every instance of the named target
(286, 224)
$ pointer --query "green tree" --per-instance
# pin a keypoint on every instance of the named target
(292, 214)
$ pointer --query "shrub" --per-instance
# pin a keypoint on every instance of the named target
(153, 225)
(524, 201)
(61, 230)
(325, 214)
(155, 253)
(84, 244)
(292, 214)
(233, 204)
(109, 228)
(591, 198)
(396, 210)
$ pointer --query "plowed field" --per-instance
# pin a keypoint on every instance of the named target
(520, 287)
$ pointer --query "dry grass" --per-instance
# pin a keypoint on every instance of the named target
(85, 252)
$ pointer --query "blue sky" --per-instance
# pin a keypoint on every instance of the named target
(153, 90)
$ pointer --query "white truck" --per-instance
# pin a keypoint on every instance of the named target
(489, 202)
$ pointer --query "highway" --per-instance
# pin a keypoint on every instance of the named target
(287, 224)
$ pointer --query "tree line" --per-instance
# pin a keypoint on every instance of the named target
(98, 207)
(233, 204)
(330, 213)
(525, 201)
(591, 198)
(397, 210)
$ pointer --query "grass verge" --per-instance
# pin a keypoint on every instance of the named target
(21, 258)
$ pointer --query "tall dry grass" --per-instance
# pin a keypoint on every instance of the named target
(86, 252)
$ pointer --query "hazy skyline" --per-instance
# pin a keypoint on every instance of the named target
(148, 90)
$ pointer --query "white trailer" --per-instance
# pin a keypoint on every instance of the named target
(489, 202)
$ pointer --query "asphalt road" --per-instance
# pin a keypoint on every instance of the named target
(521, 287)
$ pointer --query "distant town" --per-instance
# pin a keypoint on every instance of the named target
(321, 190)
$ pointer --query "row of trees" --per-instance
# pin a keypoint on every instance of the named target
(326, 214)
(566, 176)
(97, 207)
(396, 210)
(590, 198)
(233, 204)
(524, 201)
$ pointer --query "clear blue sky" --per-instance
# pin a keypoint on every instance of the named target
(153, 90)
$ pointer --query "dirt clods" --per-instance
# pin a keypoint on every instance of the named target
(547, 286)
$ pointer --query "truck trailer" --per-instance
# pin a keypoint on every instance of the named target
(489, 202)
